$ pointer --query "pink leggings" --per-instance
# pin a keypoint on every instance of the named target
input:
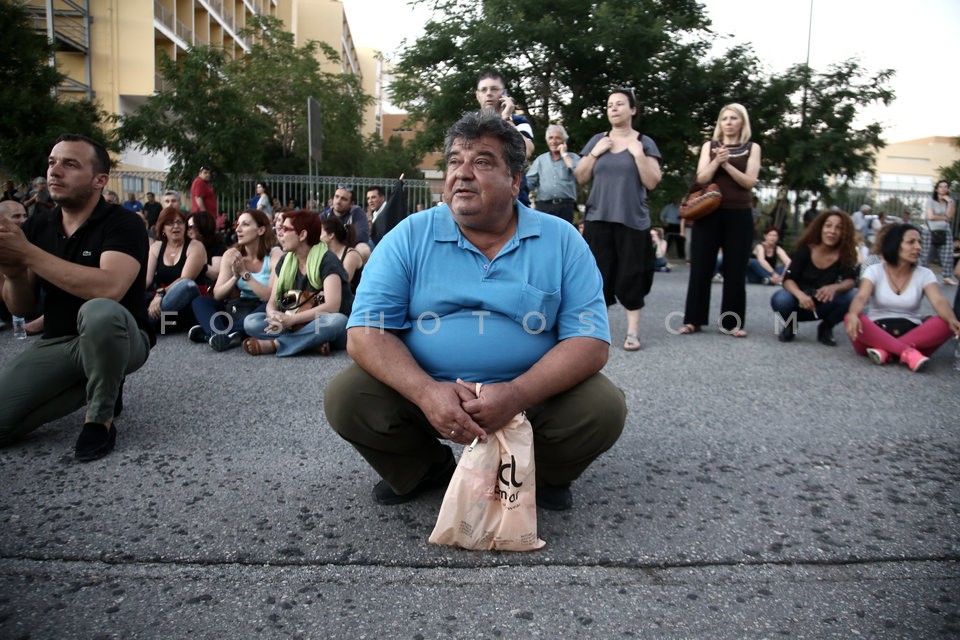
(926, 338)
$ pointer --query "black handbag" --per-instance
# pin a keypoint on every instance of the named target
(938, 237)
(240, 308)
(896, 326)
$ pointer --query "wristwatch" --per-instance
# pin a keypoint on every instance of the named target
(160, 292)
(245, 276)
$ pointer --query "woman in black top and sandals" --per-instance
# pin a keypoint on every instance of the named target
(732, 161)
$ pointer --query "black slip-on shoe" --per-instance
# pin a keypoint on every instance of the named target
(554, 497)
(825, 335)
(438, 477)
(95, 441)
(786, 335)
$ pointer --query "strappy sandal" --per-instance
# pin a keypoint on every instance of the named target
(255, 347)
(687, 329)
(632, 343)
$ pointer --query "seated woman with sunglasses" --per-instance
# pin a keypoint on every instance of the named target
(173, 266)
(310, 297)
(242, 287)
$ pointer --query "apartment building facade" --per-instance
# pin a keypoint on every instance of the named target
(110, 49)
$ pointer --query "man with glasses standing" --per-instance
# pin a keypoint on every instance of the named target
(492, 94)
(350, 214)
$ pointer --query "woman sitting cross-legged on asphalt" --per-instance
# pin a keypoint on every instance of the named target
(310, 297)
(242, 287)
(894, 289)
(763, 268)
(173, 266)
(819, 284)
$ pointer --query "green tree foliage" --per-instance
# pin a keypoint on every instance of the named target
(32, 117)
(817, 137)
(392, 159)
(202, 118)
(281, 76)
(561, 58)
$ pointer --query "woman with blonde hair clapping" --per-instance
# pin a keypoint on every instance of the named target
(732, 161)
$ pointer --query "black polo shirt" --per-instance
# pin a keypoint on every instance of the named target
(109, 228)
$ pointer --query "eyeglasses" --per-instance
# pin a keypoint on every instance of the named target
(176, 222)
(286, 228)
(190, 225)
(345, 187)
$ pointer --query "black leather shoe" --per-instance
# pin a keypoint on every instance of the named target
(825, 335)
(95, 441)
(438, 477)
(554, 497)
(786, 335)
(196, 334)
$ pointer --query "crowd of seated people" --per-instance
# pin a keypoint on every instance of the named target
(242, 286)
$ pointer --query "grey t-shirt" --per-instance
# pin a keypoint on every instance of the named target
(617, 195)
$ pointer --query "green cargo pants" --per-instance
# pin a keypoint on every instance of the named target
(570, 430)
(54, 377)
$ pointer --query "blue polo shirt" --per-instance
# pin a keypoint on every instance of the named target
(464, 316)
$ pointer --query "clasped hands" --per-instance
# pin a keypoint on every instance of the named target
(458, 414)
(277, 321)
(13, 248)
(823, 294)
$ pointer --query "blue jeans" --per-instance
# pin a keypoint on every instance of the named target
(831, 313)
(756, 273)
(328, 327)
(175, 305)
(211, 314)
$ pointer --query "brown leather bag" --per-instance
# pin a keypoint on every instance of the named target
(296, 300)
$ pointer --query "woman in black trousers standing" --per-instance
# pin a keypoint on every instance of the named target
(732, 161)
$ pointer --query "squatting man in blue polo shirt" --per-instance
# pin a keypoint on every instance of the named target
(482, 289)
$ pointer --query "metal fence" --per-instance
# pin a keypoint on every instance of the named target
(314, 191)
(302, 191)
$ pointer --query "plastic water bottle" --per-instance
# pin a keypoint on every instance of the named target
(19, 328)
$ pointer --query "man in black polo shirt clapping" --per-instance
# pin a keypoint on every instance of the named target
(89, 258)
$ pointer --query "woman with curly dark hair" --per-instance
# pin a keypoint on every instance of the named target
(819, 284)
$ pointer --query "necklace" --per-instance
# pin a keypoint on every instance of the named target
(897, 287)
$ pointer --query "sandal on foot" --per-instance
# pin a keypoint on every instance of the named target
(632, 343)
(687, 329)
(257, 347)
(739, 333)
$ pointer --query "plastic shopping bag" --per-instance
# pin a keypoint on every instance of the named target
(491, 502)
